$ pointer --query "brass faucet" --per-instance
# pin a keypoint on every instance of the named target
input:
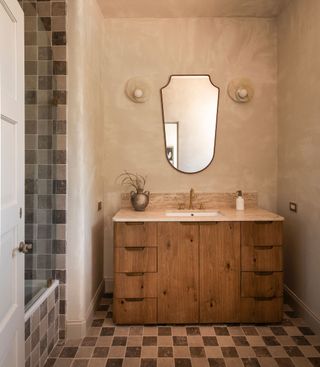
(192, 196)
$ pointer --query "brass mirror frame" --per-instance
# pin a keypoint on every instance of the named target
(164, 128)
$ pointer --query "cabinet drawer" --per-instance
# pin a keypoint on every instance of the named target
(135, 259)
(135, 234)
(261, 258)
(135, 285)
(261, 233)
(261, 284)
(135, 311)
(261, 310)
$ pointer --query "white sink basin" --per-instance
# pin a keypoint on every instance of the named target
(194, 213)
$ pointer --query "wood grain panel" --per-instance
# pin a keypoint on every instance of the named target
(261, 284)
(139, 259)
(135, 234)
(135, 311)
(261, 233)
(219, 272)
(261, 310)
(135, 285)
(261, 258)
(178, 266)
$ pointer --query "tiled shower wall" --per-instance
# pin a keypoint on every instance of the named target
(41, 330)
(45, 129)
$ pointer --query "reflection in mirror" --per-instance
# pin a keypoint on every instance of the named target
(189, 109)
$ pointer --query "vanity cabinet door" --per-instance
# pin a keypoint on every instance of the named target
(219, 272)
(178, 272)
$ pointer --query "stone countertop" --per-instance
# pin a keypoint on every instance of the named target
(226, 215)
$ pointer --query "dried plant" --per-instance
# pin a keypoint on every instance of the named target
(132, 180)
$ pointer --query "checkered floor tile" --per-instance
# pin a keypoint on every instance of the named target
(289, 344)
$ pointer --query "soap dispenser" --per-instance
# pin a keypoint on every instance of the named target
(239, 201)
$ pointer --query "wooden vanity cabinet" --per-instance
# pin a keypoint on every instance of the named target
(197, 272)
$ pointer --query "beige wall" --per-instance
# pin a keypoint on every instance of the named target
(299, 147)
(225, 48)
(85, 155)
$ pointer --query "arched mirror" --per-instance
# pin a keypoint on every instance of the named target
(189, 110)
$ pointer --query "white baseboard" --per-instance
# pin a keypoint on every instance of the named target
(94, 303)
(108, 281)
(77, 329)
(311, 318)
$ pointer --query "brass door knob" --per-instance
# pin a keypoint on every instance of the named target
(23, 247)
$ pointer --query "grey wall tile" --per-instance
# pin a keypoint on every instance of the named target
(60, 127)
(59, 157)
(59, 68)
(45, 82)
(31, 67)
(59, 217)
(59, 38)
(31, 186)
(30, 127)
(45, 171)
(45, 201)
(44, 142)
(44, 24)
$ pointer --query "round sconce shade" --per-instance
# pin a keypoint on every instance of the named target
(240, 90)
(137, 90)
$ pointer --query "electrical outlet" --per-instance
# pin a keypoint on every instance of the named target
(293, 207)
(99, 206)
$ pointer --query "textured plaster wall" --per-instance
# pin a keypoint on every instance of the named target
(85, 156)
(299, 148)
(225, 48)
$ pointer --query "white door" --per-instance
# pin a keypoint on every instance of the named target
(12, 184)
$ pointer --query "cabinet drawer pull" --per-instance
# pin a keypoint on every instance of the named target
(208, 223)
(137, 248)
(264, 298)
(134, 274)
(263, 247)
(134, 299)
(188, 223)
(263, 273)
(134, 223)
(263, 222)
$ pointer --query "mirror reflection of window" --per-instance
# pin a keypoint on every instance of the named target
(193, 101)
(172, 136)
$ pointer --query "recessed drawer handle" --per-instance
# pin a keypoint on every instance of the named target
(263, 273)
(263, 222)
(208, 223)
(263, 247)
(138, 248)
(264, 298)
(134, 299)
(188, 223)
(134, 223)
(136, 274)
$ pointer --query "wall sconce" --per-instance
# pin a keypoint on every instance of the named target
(240, 90)
(137, 90)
